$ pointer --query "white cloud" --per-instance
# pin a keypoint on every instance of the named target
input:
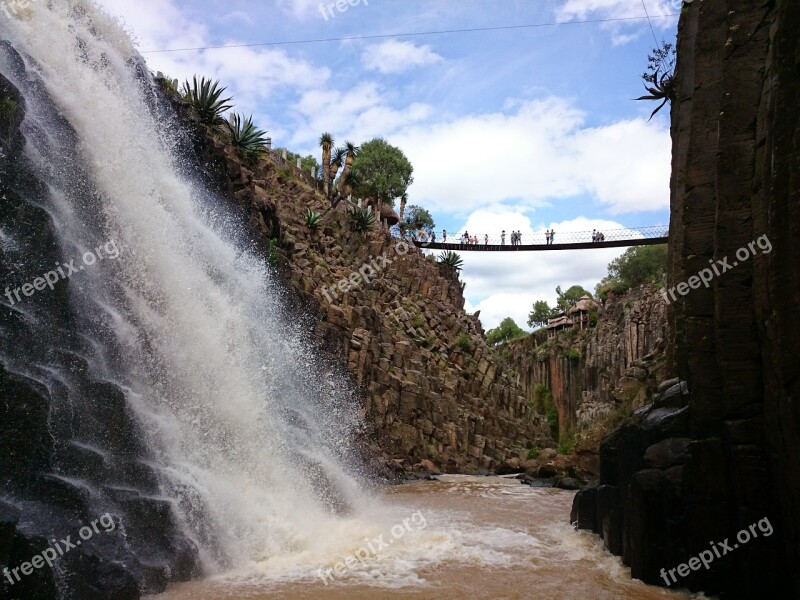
(503, 284)
(540, 153)
(621, 33)
(396, 57)
(300, 9)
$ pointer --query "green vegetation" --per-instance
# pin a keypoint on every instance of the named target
(169, 85)
(574, 355)
(541, 314)
(249, 140)
(416, 218)
(361, 219)
(641, 264)
(507, 330)
(204, 97)
(464, 342)
(451, 260)
(273, 253)
(384, 172)
(326, 143)
(568, 299)
(306, 162)
(659, 78)
(567, 441)
(312, 218)
(544, 405)
(533, 453)
(8, 111)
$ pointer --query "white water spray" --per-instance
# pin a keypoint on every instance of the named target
(215, 376)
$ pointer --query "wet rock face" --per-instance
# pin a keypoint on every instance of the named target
(717, 452)
(70, 450)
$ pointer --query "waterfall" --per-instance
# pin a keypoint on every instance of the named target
(249, 444)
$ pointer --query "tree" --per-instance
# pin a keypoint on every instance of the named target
(326, 143)
(507, 330)
(384, 171)
(417, 218)
(540, 314)
(568, 299)
(638, 265)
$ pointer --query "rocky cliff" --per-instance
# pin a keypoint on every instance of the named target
(708, 464)
(434, 397)
(611, 367)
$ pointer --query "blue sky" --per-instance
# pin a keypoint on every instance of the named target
(515, 129)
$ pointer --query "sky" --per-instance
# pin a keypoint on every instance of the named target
(525, 128)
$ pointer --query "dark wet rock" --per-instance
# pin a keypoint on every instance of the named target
(667, 453)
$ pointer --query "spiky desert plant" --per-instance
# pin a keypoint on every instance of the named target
(312, 218)
(451, 260)
(361, 219)
(326, 143)
(660, 87)
(204, 97)
(248, 139)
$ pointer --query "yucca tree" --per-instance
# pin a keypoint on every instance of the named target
(352, 152)
(403, 202)
(248, 139)
(337, 160)
(326, 143)
(205, 99)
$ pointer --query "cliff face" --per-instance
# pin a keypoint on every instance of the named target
(614, 365)
(431, 386)
(706, 465)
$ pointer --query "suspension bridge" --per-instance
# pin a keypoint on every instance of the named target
(540, 241)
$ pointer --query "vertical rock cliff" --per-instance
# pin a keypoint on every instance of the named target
(702, 466)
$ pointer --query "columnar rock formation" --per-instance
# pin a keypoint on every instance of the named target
(705, 465)
(432, 388)
(594, 371)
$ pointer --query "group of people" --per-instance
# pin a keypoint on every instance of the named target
(468, 239)
(516, 237)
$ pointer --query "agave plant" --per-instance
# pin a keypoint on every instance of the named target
(451, 260)
(361, 219)
(248, 139)
(205, 99)
(312, 218)
(661, 88)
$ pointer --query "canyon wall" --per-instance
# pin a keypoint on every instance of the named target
(591, 372)
(705, 466)
(434, 396)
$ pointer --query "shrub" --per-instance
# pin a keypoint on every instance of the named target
(273, 253)
(204, 97)
(312, 218)
(574, 355)
(451, 260)
(464, 343)
(249, 140)
(566, 442)
(533, 453)
(361, 219)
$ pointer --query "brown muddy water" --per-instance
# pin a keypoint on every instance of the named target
(461, 537)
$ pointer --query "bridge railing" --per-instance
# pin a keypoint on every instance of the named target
(540, 237)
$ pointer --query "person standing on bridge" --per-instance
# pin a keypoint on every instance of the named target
(486, 239)
(444, 236)
(594, 235)
(547, 237)
(552, 236)
(503, 238)
(519, 238)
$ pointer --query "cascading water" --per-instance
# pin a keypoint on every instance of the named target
(181, 336)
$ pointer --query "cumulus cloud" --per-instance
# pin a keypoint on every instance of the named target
(396, 57)
(621, 33)
(539, 153)
(506, 284)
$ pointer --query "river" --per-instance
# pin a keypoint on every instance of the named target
(463, 537)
